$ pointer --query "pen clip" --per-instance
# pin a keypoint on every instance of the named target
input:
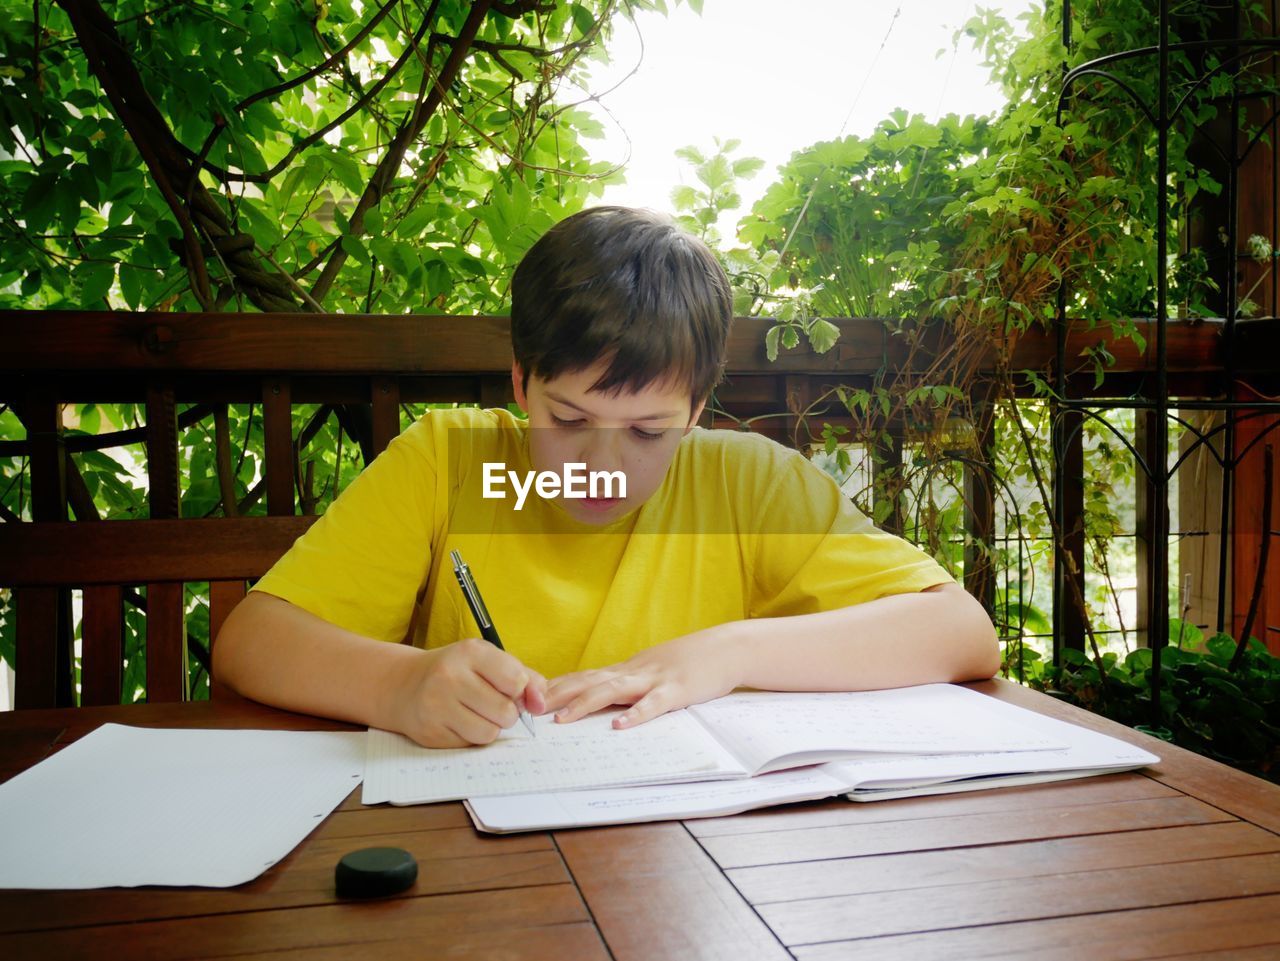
(478, 609)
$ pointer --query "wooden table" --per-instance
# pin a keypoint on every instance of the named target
(1181, 860)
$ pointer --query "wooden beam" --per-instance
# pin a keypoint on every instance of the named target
(144, 551)
(407, 344)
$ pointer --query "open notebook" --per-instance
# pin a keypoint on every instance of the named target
(867, 778)
(732, 738)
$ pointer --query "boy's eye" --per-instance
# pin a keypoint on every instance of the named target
(647, 434)
(561, 422)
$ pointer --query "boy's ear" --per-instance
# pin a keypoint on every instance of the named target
(517, 385)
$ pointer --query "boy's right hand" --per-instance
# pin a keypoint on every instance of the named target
(465, 694)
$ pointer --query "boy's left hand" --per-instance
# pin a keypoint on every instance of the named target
(687, 670)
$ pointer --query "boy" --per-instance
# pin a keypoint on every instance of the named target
(727, 561)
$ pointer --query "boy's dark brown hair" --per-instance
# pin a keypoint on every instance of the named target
(628, 287)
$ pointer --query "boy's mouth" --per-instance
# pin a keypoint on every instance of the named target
(600, 505)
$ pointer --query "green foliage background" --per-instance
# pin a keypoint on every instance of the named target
(377, 157)
(401, 157)
(976, 224)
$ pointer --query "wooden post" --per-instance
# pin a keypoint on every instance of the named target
(166, 623)
(1146, 504)
(101, 645)
(43, 639)
(1068, 481)
(385, 395)
(277, 429)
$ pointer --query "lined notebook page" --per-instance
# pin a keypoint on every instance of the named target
(761, 727)
(586, 753)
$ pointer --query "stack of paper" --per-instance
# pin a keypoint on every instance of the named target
(740, 752)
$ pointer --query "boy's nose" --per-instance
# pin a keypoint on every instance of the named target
(604, 450)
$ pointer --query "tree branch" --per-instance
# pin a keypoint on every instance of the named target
(328, 64)
(385, 173)
(271, 173)
(167, 163)
(105, 53)
(515, 11)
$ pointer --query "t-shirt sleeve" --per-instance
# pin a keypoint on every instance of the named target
(361, 565)
(815, 551)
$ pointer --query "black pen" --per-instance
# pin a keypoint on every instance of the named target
(481, 614)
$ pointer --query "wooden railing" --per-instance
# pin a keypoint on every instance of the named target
(378, 363)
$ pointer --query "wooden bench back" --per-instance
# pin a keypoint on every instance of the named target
(43, 559)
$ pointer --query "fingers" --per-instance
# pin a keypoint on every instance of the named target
(563, 689)
(657, 702)
(484, 684)
(535, 694)
(609, 689)
(472, 728)
(500, 669)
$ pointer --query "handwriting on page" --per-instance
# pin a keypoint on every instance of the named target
(586, 753)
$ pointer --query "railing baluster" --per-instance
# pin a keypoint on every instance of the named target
(166, 625)
(385, 394)
(101, 645)
(277, 429)
(1068, 489)
(43, 637)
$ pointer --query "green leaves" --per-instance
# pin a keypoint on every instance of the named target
(1232, 717)
(500, 143)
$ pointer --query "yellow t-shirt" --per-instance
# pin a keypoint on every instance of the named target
(740, 527)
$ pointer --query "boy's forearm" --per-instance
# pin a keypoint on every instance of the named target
(897, 641)
(274, 652)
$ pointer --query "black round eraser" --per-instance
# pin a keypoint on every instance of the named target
(375, 873)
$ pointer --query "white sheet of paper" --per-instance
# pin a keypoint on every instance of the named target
(937, 718)
(659, 802)
(126, 806)
(1084, 750)
(586, 753)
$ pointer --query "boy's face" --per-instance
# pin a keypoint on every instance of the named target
(633, 432)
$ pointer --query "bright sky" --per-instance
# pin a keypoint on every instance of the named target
(778, 77)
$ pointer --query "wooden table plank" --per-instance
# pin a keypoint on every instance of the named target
(1236, 924)
(228, 712)
(655, 894)
(1266, 952)
(350, 828)
(995, 902)
(1011, 800)
(561, 942)
(842, 841)
(437, 923)
(1025, 859)
(304, 879)
(27, 745)
(1243, 795)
